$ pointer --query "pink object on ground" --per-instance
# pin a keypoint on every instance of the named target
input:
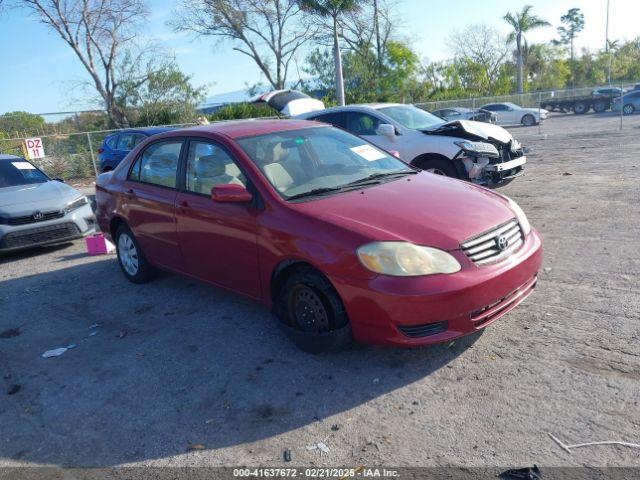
(98, 245)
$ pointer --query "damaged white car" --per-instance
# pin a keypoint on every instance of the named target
(478, 152)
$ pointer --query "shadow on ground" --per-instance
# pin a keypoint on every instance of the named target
(195, 365)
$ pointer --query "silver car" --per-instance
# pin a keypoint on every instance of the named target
(36, 210)
(631, 102)
(461, 113)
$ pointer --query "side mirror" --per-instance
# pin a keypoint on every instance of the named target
(386, 130)
(230, 193)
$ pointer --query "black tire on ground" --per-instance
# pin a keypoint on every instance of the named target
(438, 166)
(131, 258)
(580, 107)
(528, 120)
(600, 106)
(628, 109)
(312, 312)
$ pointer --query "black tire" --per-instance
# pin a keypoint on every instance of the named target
(580, 108)
(528, 120)
(312, 313)
(628, 109)
(438, 166)
(600, 106)
(127, 246)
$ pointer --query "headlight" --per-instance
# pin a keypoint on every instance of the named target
(404, 259)
(522, 218)
(478, 148)
(77, 203)
(515, 145)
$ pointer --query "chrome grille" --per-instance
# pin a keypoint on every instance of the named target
(485, 248)
(45, 216)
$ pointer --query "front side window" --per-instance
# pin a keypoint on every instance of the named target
(362, 123)
(333, 118)
(208, 165)
(158, 164)
(319, 160)
(412, 117)
(19, 172)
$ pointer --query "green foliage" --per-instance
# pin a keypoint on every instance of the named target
(239, 111)
(18, 124)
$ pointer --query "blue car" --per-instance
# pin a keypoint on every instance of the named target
(116, 146)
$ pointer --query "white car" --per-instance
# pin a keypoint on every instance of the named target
(512, 114)
(478, 152)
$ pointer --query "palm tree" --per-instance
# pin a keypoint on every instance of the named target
(333, 9)
(522, 22)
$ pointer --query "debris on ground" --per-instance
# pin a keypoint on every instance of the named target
(320, 447)
(123, 333)
(195, 446)
(287, 455)
(376, 380)
(13, 389)
(335, 427)
(528, 473)
(568, 448)
(95, 325)
(566, 173)
(56, 352)
(10, 333)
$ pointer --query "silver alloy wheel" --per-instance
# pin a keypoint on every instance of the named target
(628, 109)
(528, 121)
(128, 254)
(436, 171)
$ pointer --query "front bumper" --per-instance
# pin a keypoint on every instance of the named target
(73, 225)
(415, 311)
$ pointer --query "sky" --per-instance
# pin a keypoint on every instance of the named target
(41, 74)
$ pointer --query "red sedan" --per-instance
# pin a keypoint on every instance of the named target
(341, 239)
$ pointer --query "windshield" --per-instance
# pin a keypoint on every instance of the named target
(319, 160)
(412, 117)
(19, 172)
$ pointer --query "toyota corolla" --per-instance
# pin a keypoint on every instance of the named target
(342, 240)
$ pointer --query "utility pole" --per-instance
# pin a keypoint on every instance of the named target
(606, 45)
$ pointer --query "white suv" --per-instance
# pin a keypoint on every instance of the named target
(482, 153)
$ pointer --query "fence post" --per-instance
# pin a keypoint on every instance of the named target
(93, 158)
(621, 105)
(539, 113)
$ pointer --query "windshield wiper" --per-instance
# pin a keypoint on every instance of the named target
(379, 175)
(314, 192)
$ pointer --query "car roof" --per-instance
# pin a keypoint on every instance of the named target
(5, 156)
(249, 128)
(356, 107)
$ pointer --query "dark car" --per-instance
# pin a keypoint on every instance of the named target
(321, 226)
(116, 146)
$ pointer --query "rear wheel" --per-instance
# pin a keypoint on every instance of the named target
(628, 109)
(312, 312)
(438, 166)
(600, 106)
(580, 108)
(528, 120)
(132, 261)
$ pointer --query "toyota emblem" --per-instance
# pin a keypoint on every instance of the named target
(502, 242)
(38, 215)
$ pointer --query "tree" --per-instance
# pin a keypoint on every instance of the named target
(99, 32)
(165, 97)
(17, 124)
(267, 31)
(333, 10)
(573, 24)
(483, 50)
(522, 22)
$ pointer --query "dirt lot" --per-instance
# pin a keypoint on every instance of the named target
(200, 366)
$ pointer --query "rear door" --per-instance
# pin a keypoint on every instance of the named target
(150, 196)
(218, 240)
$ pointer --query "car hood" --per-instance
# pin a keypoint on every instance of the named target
(424, 209)
(46, 196)
(471, 130)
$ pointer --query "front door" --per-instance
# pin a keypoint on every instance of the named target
(150, 196)
(365, 126)
(217, 240)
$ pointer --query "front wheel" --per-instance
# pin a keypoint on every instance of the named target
(528, 120)
(312, 312)
(628, 109)
(600, 106)
(580, 108)
(439, 166)
(132, 261)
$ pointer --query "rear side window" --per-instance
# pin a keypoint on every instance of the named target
(158, 164)
(112, 141)
(336, 119)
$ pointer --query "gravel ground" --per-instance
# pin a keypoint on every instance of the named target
(200, 366)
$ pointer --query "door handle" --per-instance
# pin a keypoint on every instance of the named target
(184, 204)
